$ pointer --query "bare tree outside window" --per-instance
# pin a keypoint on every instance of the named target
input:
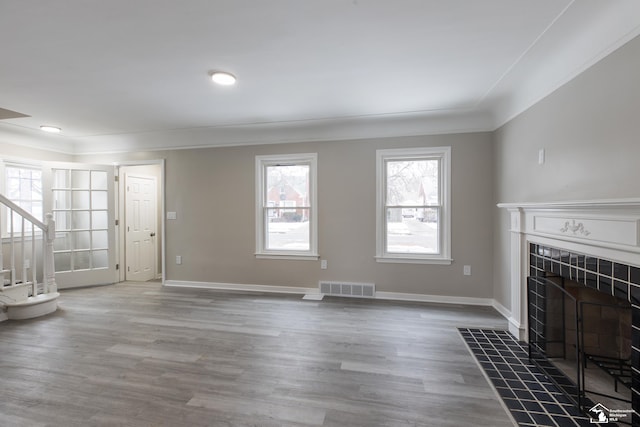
(412, 206)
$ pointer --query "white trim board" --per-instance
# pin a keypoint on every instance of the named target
(439, 299)
(514, 325)
(242, 287)
(505, 312)
(381, 295)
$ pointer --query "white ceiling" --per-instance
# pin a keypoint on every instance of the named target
(123, 75)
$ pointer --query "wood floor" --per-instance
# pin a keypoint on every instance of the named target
(143, 355)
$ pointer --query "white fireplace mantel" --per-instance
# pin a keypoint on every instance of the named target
(603, 228)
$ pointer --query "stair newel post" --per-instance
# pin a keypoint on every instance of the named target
(49, 267)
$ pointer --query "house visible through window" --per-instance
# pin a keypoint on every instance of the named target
(413, 205)
(286, 203)
(23, 186)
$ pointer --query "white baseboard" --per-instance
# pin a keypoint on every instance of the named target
(506, 313)
(392, 296)
(242, 287)
(517, 329)
(442, 299)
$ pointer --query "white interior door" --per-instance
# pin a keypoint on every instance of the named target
(140, 222)
(82, 200)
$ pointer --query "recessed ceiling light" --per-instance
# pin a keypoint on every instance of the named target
(52, 129)
(222, 78)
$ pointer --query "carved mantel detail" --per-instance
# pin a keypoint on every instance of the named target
(574, 228)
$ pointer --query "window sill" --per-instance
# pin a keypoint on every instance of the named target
(310, 257)
(407, 260)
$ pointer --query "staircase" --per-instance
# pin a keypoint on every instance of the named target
(28, 286)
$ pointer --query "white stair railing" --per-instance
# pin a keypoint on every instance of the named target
(24, 265)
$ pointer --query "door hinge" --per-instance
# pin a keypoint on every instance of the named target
(128, 268)
(117, 266)
(117, 178)
(117, 222)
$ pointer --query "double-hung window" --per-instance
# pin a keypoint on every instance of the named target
(286, 220)
(413, 215)
(23, 186)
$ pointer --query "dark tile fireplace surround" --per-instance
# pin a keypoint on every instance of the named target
(612, 278)
(603, 275)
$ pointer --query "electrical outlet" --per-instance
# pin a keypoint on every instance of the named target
(323, 264)
(466, 270)
(178, 259)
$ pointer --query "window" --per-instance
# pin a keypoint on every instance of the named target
(286, 223)
(413, 214)
(23, 186)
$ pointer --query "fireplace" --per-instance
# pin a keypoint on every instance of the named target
(589, 249)
(580, 325)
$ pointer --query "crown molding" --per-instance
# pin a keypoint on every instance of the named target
(335, 129)
(603, 27)
(35, 139)
(573, 204)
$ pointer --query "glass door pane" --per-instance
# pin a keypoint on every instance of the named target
(82, 202)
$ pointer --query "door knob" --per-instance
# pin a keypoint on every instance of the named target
(153, 234)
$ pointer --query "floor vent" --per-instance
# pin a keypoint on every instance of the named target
(346, 289)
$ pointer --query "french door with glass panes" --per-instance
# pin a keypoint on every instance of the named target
(81, 198)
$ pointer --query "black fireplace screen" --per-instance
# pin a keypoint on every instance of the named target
(568, 330)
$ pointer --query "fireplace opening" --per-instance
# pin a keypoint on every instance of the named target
(581, 339)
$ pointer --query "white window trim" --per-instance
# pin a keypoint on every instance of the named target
(444, 257)
(273, 160)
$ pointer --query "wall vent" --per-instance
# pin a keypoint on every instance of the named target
(346, 289)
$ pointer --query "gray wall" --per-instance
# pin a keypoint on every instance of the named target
(590, 129)
(213, 192)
